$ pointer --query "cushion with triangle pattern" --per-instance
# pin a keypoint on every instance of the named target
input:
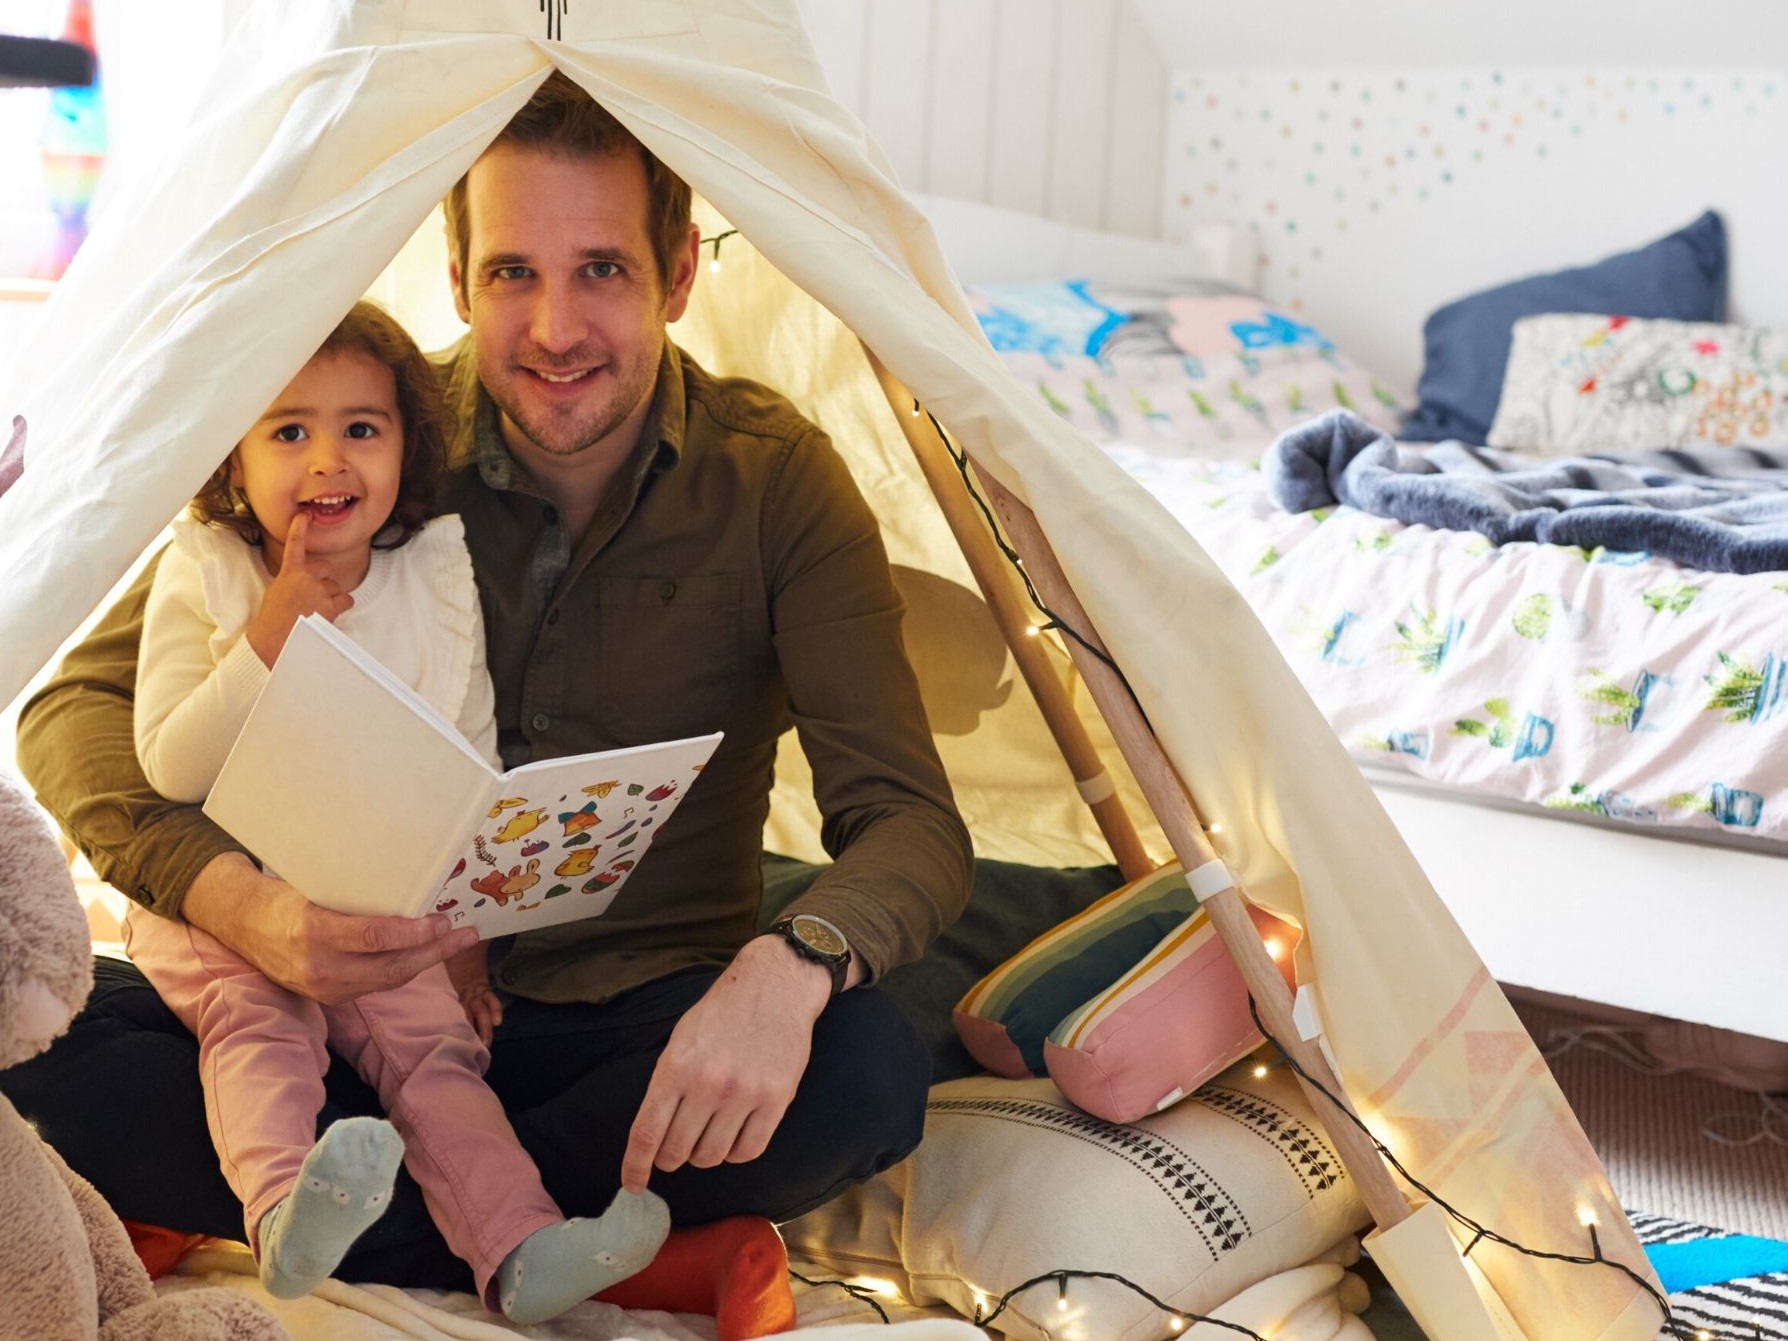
(1196, 1203)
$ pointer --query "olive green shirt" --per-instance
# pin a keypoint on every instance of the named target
(733, 580)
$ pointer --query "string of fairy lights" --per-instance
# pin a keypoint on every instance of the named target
(1178, 1319)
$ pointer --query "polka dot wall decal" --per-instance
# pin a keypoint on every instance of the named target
(1354, 149)
(1210, 100)
(1271, 207)
(1447, 178)
(1291, 225)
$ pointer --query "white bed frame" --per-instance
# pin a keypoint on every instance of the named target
(1621, 916)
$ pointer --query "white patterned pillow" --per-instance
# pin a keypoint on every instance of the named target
(1196, 1204)
(1591, 383)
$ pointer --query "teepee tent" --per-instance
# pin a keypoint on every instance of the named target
(330, 133)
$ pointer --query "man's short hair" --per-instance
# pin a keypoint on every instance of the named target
(561, 118)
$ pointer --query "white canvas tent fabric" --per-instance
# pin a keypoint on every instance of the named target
(331, 131)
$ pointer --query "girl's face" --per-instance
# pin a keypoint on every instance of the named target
(331, 446)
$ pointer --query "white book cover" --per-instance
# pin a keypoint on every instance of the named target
(351, 787)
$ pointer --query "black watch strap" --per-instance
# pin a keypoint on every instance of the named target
(815, 939)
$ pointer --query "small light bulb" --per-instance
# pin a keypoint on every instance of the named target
(714, 265)
(1176, 1323)
(1704, 1335)
(1274, 946)
(1215, 828)
(1586, 1217)
(1032, 631)
(1061, 1304)
(1260, 1071)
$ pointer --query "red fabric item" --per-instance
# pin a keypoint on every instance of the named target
(735, 1270)
(160, 1250)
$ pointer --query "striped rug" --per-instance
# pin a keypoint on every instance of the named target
(1732, 1285)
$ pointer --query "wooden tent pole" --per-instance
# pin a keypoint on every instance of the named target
(1000, 589)
(1168, 797)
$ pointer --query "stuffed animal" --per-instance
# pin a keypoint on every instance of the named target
(67, 1269)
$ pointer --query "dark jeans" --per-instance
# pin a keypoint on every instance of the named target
(119, 1099)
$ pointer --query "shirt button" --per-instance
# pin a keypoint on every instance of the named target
(539, 721)
(552, 514)
(552, 617)
(507, 977)
(666, 590)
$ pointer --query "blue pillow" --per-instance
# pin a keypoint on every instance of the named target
(1466, 343)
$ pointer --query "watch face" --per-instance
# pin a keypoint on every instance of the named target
(819, 935)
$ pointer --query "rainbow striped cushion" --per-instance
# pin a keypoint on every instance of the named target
(1128, 1006)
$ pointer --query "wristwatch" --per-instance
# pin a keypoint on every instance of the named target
(816, 939)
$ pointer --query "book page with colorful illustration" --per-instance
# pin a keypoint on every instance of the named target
(566, 833)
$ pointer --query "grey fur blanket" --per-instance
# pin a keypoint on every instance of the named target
(1721, 509)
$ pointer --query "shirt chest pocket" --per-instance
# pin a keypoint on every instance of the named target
(668, 657)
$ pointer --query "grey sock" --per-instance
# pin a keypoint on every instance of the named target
(559, 1266)
(343, 1186)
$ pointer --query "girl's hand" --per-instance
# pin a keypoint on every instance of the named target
(469, 972)
(303, 587)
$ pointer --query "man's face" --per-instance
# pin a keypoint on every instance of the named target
(562, 294)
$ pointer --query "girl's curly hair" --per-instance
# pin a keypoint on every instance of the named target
(367, 329)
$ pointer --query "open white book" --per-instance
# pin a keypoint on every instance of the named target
(362, 796)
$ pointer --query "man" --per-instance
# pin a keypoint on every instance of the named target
(660, 554)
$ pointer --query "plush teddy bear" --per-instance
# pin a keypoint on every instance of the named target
(67, 1269)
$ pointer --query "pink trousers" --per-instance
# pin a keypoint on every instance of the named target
(262, 1059)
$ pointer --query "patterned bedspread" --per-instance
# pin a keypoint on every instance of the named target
(1597, 681)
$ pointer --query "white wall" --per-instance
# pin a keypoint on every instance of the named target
(1379, 194)
(1396, 154)
(1055, 107)
(1416, 34)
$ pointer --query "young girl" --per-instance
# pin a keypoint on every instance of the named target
(321, 508)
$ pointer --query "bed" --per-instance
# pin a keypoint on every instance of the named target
(1575, 866)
